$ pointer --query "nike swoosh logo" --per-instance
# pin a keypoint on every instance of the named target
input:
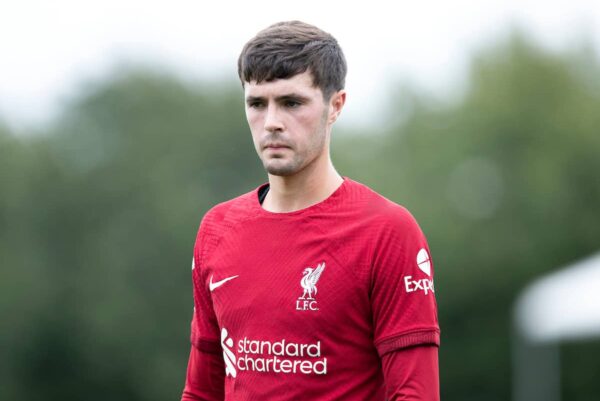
(212, 285)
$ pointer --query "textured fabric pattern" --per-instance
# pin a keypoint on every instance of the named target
(305, 304)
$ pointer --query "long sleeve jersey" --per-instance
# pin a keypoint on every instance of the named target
(334, 301)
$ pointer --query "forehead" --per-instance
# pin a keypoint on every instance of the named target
(299, 83)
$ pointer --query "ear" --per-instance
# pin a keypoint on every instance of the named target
(336, 104)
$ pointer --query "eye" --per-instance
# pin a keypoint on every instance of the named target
(256, 105)
(292, 104)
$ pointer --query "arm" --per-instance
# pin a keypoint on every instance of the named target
(412, 374)
(406, 327)
(205, 377)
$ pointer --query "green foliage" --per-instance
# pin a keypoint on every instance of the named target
(504, 182)
(98, 217)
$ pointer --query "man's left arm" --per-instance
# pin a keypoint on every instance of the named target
(406, 329)
(412, 374)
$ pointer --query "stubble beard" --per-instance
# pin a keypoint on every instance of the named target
(300, 160)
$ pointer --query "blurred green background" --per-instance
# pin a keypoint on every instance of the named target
(99, 211)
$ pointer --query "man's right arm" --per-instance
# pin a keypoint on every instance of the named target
(205, 376)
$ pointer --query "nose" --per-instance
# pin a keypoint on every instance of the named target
(273, 120)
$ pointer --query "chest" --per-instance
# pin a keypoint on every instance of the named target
(282, 279)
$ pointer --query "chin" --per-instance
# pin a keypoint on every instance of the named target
(283, 170)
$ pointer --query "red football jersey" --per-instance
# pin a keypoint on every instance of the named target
(304, 304)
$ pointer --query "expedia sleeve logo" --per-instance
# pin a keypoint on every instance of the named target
(424, 284)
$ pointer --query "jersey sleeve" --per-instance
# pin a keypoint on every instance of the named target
(402, 288)
(205, 377)
(412, 374)
(205, 329)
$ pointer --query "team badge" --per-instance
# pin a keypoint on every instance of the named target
(308, 283)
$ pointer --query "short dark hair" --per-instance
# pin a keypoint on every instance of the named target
(289, 48)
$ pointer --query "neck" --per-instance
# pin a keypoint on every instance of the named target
(310, 186)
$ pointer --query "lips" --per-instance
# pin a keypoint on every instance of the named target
(276, 146)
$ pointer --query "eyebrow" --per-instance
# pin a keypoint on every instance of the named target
(283, 98)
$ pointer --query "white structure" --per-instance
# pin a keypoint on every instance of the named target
(562, 306)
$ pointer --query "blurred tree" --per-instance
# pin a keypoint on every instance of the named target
(108, 205)
(505, 182)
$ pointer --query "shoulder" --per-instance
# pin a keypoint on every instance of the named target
(227, 214)
(383, 213)
(396, 239)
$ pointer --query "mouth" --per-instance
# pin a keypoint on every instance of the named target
(276, 146)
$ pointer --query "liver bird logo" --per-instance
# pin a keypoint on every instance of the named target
(309, 281)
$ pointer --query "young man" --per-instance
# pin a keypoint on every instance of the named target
(311, 286)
